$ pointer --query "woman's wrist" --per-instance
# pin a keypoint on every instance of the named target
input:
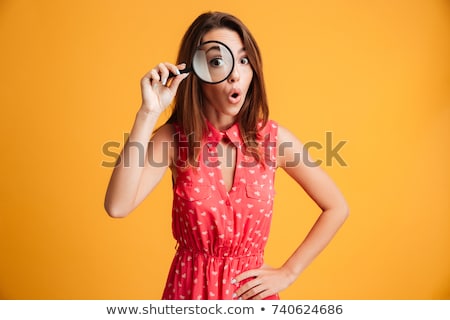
(144, 124)
(145, 111)
(291, 275)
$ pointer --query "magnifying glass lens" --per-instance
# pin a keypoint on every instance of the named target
(213, 62)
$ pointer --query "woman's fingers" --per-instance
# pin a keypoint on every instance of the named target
(175, 82)
(250, 289)
(165, 70)
(159, 86)
(261, 283)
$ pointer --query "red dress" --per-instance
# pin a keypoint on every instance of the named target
(220, 233)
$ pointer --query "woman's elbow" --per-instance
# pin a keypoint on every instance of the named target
(344, 210)
(115, 211)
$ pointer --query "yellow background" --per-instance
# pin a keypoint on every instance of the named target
(374, 73)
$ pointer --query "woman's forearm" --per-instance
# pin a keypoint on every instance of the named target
(317, 239)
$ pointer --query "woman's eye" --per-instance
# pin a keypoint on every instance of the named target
(216, 62)
(245, 60)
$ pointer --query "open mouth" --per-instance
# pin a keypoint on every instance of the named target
(235, 96)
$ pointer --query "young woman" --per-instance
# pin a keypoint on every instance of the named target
(223, 152)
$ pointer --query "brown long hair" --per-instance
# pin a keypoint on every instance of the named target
(188, 107)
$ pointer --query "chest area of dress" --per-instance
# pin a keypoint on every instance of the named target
(201, 193)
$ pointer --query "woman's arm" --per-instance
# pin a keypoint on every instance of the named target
(142, 164)
(293, 158)
(321, 188)
(134, 176)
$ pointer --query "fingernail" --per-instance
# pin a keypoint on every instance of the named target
(164, 82)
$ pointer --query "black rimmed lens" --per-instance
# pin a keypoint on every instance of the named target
(212, 63)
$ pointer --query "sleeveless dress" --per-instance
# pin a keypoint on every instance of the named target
(220, 233)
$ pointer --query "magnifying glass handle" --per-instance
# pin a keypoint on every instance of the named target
(185, 70)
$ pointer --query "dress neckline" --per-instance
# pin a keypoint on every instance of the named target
(215, 135)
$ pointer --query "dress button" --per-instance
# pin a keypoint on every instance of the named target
(228, 203)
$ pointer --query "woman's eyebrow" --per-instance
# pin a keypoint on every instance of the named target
(242, 50)
(213, 48)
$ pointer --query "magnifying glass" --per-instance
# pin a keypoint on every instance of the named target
(212, 63)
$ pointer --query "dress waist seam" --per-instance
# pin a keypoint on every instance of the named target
(224, 255)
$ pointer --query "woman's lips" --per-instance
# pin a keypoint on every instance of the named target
(234, 96)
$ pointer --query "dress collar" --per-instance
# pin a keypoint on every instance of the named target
(215, 135)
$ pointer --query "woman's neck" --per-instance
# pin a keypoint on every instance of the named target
(220, 121)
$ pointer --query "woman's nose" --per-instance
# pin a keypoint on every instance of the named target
(234, 76)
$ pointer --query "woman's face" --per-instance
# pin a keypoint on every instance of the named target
(226, 98)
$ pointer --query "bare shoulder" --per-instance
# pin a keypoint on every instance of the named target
(285, 135)
(289, 147)
(161, 147)
(287, 139)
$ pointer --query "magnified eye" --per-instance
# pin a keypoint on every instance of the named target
(217, 62)
(213, 62)
(245, 60)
